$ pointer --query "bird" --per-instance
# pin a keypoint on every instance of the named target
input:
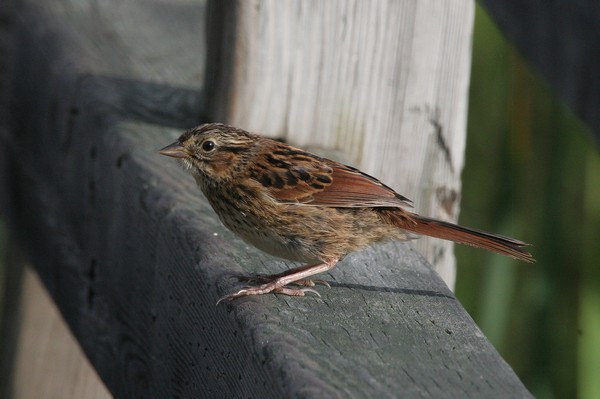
(296, 205)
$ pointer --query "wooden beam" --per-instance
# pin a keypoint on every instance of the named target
(135, 259)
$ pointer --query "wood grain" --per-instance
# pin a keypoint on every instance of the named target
(49, 363)
(135, 259)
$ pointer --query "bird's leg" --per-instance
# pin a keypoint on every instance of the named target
(267, 278)
(277, 283)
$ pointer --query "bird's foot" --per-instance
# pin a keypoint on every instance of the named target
(280, 283)
(264, 279)
(265, 289)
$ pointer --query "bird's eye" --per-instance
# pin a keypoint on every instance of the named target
(208, 146)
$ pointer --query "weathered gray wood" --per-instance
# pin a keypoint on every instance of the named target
(135, 258)
(49, 363)
(562, 39)
(386, 82)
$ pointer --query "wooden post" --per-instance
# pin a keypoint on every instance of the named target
(49, 363)
(386, 82)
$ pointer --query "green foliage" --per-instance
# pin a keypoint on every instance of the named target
(532, 172)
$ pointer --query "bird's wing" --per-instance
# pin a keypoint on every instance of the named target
(295, 176)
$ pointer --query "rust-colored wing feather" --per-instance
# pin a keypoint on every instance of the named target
(296, 176)
(351, 188)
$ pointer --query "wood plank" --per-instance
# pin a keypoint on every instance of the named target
(49, 362)
(135, 259)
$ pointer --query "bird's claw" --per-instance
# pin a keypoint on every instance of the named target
(264, 279)
(265, 289)
(312, 283)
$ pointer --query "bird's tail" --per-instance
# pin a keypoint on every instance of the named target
(462, 235)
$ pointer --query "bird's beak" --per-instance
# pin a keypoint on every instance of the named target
(175, 150)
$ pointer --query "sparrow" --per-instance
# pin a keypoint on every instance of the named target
(296, 205)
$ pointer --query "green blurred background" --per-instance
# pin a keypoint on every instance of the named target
(532, 172)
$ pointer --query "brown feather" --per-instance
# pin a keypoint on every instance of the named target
(297, 176)
(459, 234)
(351, 188)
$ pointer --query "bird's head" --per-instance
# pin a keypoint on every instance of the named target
(212, 151)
